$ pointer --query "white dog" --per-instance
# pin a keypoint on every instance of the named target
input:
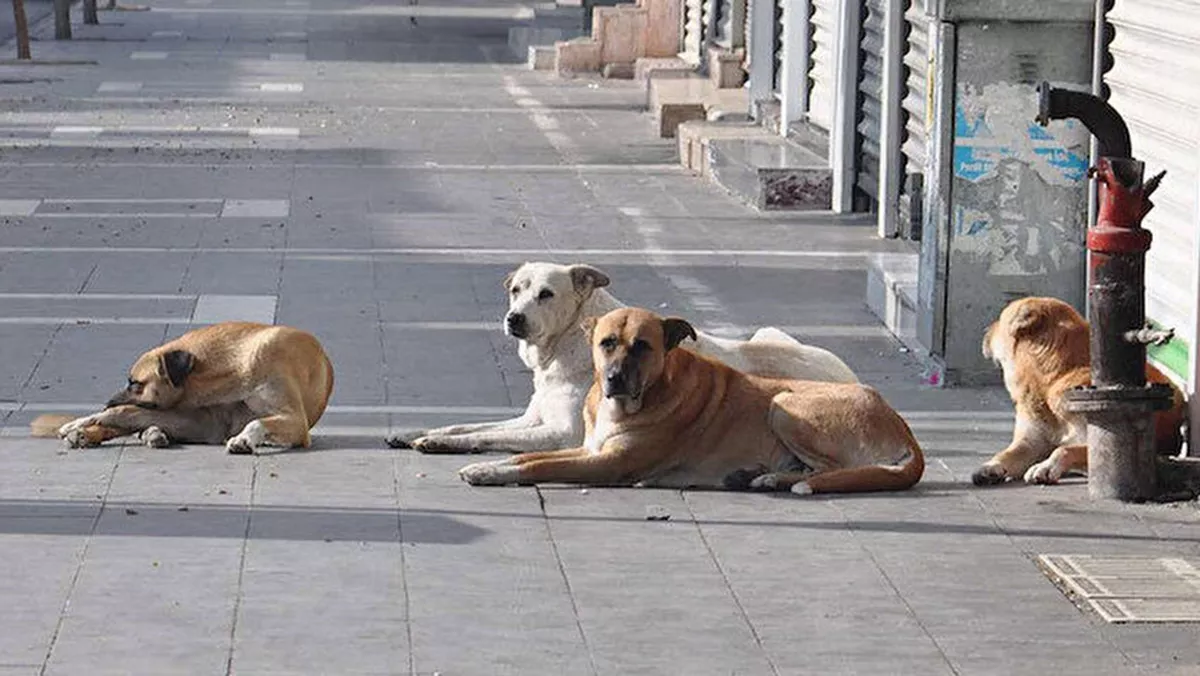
(546, 308)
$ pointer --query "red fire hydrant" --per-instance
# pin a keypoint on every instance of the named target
(1119, 406)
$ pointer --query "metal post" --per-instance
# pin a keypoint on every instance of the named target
(845, 110)
(793, 81)
(891, 135)
(22, 28)
(762, 37)
(1118, 405)
(89, 13)
(62, 19)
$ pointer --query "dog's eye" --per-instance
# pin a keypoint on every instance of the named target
(609, 344)
(134, 387)
(640, 346)
(516, 290)
(546, 294)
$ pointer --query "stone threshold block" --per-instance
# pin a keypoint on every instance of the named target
(672, 100)
(771, 174)
(622, 34)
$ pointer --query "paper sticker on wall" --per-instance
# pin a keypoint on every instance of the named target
(994, 124)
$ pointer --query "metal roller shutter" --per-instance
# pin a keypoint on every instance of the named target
(724, 35)
(823, 63)
(1154, 84)
(693, 30)
(870, 106)
(916, 67)
(777, 47)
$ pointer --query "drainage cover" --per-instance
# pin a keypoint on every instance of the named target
(1124, 589)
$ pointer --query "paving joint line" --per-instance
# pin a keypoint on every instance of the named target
(562, 570)
(87, 545)
(412, 658)
(237, 601)
(737, 601)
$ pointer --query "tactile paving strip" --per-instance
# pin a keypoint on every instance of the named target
(1127, 589)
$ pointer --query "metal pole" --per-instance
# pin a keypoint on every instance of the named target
(89, 13)
(22, 27)
(1118, 405)
(62, 19)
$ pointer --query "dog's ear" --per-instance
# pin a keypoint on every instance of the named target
(508, 280)
(588, 324)
(1027, 320)
(176, 365)
(675, 330)
(586, 278)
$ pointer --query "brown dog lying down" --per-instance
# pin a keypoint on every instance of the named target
(1043, 346)
(236, 383)
(657, 416)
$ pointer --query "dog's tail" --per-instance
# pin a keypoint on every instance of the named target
(46, 426)
(897, 477)
(771, 334)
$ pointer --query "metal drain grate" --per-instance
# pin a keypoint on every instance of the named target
(1124, 589)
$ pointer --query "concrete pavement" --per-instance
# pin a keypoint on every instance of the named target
(370, 171)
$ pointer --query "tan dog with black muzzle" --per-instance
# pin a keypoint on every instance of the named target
(242, 384)
(663, 417)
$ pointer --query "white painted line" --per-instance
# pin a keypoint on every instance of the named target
(365, 10)
(274, 132)
(131, 200)
(729, 331)
(75, 132)
(167, 34)
(211, 309)
(288, 56)
(119, 87)
(256, 209)
(199, 2)
(148, 56)
(724, 254)
(18, 207)
(291, 35)
(53, 321)
(70, 407)
(427, 166)
(290, 87)
(297, 3)
(96, 296)
(541, 117)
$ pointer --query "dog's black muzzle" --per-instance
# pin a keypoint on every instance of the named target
(620, 380)
(124, 398)
(516, 326)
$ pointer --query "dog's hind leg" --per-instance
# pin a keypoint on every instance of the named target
(282, 429)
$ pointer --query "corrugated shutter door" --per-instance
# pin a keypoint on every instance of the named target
(822, 63)
(1155, 85)
(693, 30)
(916, 67)
(870, 106)
(777, 47)
(723, 35)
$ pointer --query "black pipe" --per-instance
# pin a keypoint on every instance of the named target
(1101, 119)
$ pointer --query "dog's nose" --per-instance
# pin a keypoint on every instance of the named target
(515, 322)
(614, 383)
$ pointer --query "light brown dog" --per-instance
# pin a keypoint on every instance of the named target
(1043, 346)
(658, 416)
(237, 383)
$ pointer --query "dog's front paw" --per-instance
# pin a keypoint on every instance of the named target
(77, 438)
(1044, 472)
(990, 474)
(154, 437)
(437, 445)
(399, 441)
(239, 445)
(765, 482)
(493, 473)
(76, 426)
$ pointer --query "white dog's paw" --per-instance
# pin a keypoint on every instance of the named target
(154, 437)
(76, 425)
(492, 473)
(1044, 472)
(802, 488)
(251, 437)
(75, 438)
(765, 482)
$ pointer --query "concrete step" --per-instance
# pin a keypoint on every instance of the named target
(892, 294)
(770, 173)
(522, 39)
(694, 137)
(671, 66)
(672, 100)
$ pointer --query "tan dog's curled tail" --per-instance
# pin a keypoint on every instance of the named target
(46, 426)
(872, 477)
